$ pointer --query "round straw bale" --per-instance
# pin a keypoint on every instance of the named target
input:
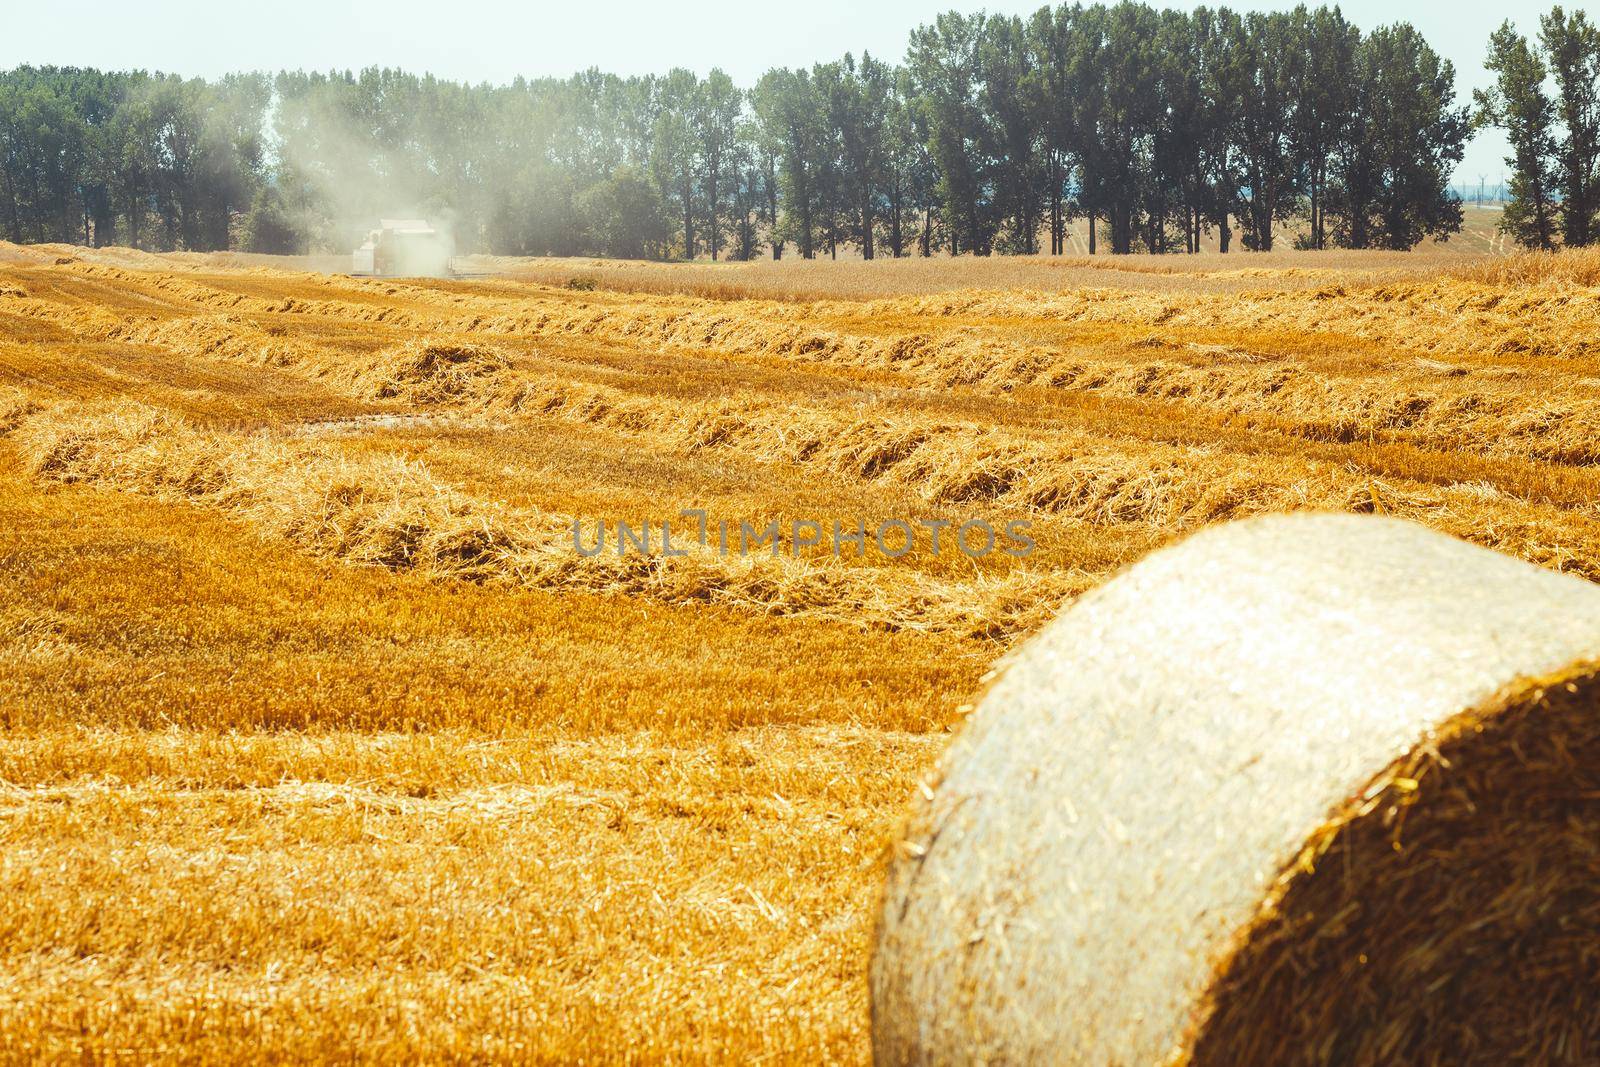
(1306, 789)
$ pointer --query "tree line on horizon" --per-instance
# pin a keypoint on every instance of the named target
(1546, 96)
(995, 133)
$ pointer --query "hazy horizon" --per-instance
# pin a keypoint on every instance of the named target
(497, 42)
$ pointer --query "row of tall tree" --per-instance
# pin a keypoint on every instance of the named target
(993, 135)
(1546, 96)
(1160, 126)
(148, 160)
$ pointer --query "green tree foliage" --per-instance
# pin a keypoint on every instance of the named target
(715, 122)
(944, 59)
(1271, 54)
(1411, 137)
(1049, 88)
(858, 108)
(791, 111)
(1572, 44)
(994, 134)
(1517, 104)
(1007, 95)
(1221, 35)
(748, 210)
(268, 227)
(1326, 115)
(673, 151)
(42, 146)
(624, 217)
(910, 180)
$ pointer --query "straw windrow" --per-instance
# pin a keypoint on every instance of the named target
(390, 512)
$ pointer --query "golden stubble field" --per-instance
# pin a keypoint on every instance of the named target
(321, 739)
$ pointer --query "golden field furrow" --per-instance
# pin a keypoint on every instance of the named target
(390, 513)
(1229, 355)
(322, 738)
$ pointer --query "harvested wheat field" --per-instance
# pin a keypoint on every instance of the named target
(322, 737)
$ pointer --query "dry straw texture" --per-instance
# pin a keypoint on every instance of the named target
(391, 513)
(321, 743)
(1301, 790)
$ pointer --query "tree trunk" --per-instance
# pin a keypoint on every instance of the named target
(772, 215)
(688, 221)
(1055, 207)
(1121, 229)
(105, 225)
(1317, 182)
(1093, 222)
(711, 193)
(1061, 212)
(15, 219)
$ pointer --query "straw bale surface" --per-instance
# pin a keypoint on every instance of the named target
(1301, 789)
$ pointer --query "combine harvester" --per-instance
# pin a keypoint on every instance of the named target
(404, 248)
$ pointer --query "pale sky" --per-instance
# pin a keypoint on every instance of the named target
(478, 40)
